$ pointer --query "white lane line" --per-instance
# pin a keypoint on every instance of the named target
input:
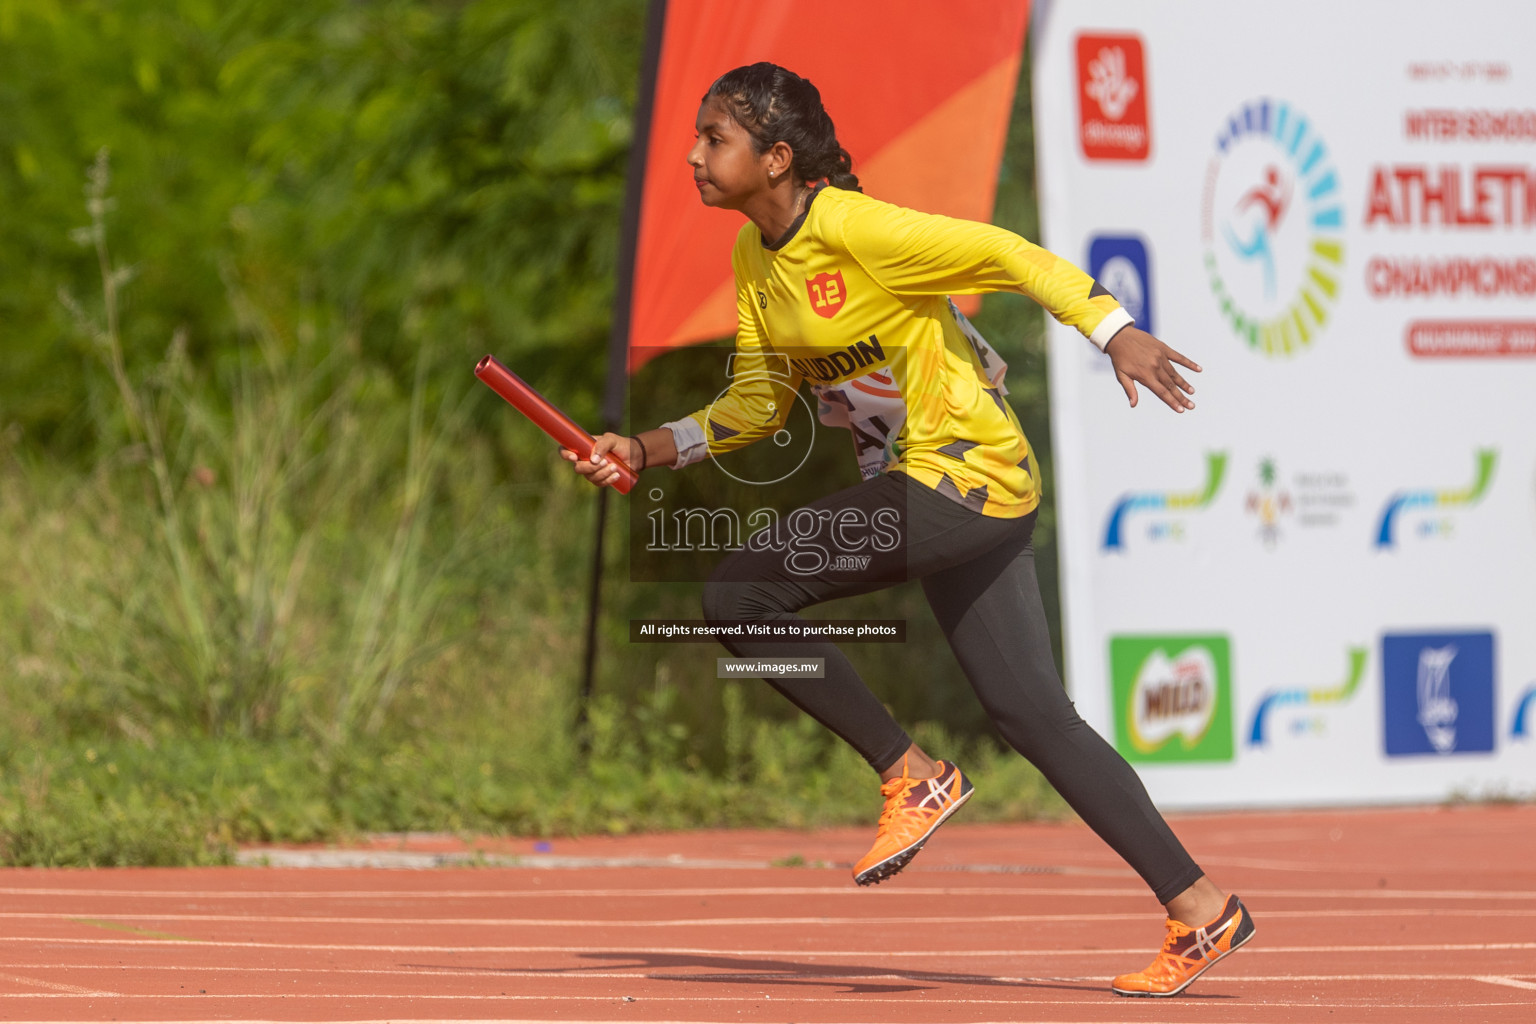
(614, 948)
(541, 1020)
(503, 1020)
(731, 922)
(771, 891)
(680, 922)
(1506, 982)
(681, 974)
(1283, 978)
(520, 1020)
(794, 977)
(638, 1003)
(262, 857)
(610, 1020)
(74, 990)
(1264, 864)
(848, 889)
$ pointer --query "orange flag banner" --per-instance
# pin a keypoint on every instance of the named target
(920, 93)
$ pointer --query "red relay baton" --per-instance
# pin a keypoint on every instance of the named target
(548, 418)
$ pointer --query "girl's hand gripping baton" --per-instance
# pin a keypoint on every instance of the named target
(548, 418)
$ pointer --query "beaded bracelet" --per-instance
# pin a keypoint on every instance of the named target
(645, 456)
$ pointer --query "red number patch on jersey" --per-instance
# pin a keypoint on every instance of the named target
(827, 293)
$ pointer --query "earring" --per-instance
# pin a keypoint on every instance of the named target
(772, 173)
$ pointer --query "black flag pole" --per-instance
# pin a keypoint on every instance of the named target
(618, 335)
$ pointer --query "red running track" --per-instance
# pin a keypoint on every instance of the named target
(1391, 915)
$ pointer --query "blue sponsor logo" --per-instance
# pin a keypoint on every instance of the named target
(1524, 725)
(1438, 695)
(1165, 504)
(1435, 501)
(1306, 698)
(1119, 263)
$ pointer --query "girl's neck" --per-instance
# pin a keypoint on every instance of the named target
(775, 211)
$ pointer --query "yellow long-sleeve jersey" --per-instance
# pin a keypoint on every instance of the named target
(856, 303)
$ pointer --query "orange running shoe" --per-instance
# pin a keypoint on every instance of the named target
(913, 809)
(1189, 952)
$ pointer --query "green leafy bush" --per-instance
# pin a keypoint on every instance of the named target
(277, 569)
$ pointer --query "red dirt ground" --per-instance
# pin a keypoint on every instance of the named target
(1389, 915)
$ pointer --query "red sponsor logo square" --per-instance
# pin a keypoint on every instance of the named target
(1112, 97)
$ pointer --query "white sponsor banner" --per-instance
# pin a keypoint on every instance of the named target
(1319, 587)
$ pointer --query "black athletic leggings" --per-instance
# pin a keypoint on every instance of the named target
(978, 573)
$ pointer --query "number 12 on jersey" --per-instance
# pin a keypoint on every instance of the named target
(827, 293)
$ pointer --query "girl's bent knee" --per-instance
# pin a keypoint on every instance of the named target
(729, 602)
(722, 602)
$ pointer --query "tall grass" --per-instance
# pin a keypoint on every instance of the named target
(233, 491)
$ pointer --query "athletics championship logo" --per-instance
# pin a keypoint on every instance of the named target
(1272, 220)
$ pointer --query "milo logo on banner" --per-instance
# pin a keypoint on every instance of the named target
(1172, 697)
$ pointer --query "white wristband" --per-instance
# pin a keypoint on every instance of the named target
(688, 437)
(1110, 326)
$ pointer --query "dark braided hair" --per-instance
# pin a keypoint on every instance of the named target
(776, 105)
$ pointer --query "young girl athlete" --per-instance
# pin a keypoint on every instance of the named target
(851, 295)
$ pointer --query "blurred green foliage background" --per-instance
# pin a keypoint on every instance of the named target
(276, 567)
(405, 175)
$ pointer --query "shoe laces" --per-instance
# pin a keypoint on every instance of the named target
(896, 792)
(1169, 963)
